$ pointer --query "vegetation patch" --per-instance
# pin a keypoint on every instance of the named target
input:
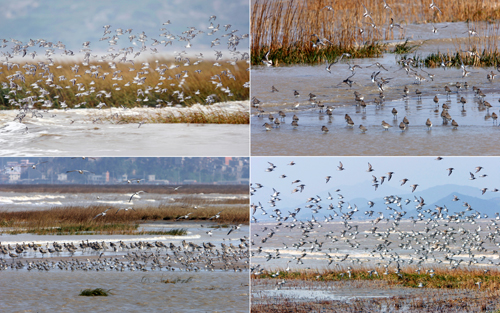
(95, 292)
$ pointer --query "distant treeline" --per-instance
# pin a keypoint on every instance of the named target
(175, 170)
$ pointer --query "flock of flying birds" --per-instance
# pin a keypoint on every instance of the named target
(38, 98)
(397, 236)
(409, 66)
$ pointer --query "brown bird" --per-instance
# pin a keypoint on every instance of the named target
(428, 123)
(385, 125)
(436, 100)
(394, 112)
(454, 124)
(448, 90)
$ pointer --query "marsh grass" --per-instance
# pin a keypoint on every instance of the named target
(404, 48)
(286, 28)
(172, 232)
(443, 278)
(127, 96)
(176, 281)
(206, 116)
(162, 280)
(80, 220)
(95, 292)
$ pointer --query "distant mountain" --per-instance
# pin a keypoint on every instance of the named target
(489, 207)
(442, 195)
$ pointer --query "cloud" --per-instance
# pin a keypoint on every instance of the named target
(19, 8)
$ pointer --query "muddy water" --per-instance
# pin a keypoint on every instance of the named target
(130, 292)
(55, 134)
(475, 135)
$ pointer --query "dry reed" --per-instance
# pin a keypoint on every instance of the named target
(74, 219)
(211, 116)
(286, 28)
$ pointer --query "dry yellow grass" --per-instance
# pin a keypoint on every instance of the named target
(75, 219)
(461, 278)
(164, 88)
(286, 28)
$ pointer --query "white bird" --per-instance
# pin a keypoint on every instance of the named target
(102, 213)
(136, 194)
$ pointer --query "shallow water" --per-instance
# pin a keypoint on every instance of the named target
(54, 134)
(344, 291)
(130, 292)
(196, 233)
(29, 201)
(476, 130)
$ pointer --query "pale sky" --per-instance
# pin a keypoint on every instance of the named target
(73, 22)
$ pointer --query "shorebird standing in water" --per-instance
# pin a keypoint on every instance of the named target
(395, 113)
(428, 123)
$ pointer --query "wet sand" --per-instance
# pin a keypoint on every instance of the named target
(54, 134)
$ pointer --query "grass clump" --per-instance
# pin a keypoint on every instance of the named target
(172, 232)
(98, 292)
(177, 280)
(404, 48)
(208, 116)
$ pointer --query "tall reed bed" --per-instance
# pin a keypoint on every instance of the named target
(286, 28)
(475, 50)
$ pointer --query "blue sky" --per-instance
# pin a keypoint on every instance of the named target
(424, 171)
(73, 22)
